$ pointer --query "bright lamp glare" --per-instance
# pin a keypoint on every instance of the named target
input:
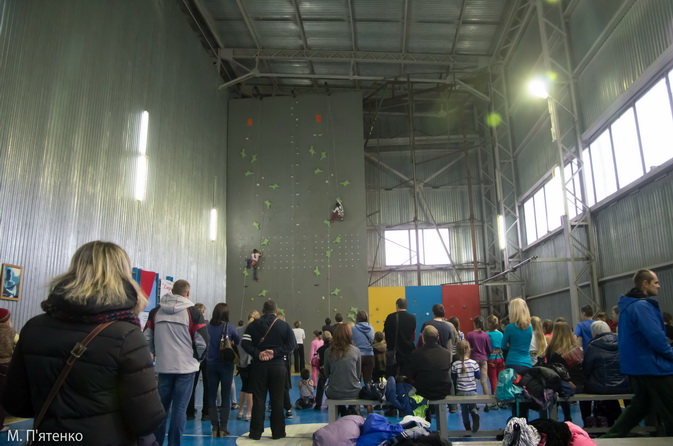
(213, 224)
(501, 231)
(142, 137)
(538, 88)
(141, 177)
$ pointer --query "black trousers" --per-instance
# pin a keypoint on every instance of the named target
(203, 369)
(267, 378)
(320, 390)
(299, 362)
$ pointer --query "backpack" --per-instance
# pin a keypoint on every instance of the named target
(541, 385)
(506, 389)
(519, 433)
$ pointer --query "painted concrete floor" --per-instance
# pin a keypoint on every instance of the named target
(299, 428)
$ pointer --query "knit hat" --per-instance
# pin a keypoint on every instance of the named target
(4, 315)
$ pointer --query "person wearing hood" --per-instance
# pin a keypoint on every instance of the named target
(177, 336)
(110, 395)
(645, 356)
(601, 370)
(363, 337)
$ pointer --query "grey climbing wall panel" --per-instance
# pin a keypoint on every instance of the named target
(288, 162)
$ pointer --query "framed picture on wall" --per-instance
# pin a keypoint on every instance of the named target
(11, 281)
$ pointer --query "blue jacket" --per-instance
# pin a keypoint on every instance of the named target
(643, 347)
(363, 336)
(601, 367)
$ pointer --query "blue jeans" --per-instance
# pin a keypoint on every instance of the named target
(465, 409)
(220, 374)
(174, 389)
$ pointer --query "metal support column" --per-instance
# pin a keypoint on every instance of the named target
(565, 133)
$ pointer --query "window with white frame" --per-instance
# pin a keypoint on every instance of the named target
(638, 140)
(400, 247)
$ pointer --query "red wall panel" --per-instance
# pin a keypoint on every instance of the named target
(463, 302)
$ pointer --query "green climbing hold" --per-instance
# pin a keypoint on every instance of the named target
(255, 224)
(311, 151)
(247, 173)
(317, 170)
(243, 154)
(316, 271)
(323, 156)
(245, 272)
(328, 253)
(335, 292)
(274, 186)
(327, 222)
(253, 159)
(262, 293)
(345, 183)
(336, 240)
(267, 203)
(281, 311)
(265, 242)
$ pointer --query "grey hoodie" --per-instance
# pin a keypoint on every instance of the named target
(176, 334)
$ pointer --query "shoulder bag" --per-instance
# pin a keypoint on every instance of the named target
(228, 350)
(75, 354)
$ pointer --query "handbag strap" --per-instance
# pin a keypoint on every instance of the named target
(75, 354)
(267, 332)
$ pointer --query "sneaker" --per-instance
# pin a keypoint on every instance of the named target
(467, 426)
(494, 406)
(234, 406)
(288, 414)
(247, 417)
(453, 410)
(475, 420)
(486, 408)
(239, 416)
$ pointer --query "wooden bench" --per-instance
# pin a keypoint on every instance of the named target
(443, 421)
(333, 415)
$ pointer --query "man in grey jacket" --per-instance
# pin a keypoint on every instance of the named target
(177, 336)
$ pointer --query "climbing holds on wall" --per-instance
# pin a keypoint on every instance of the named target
(274, 186)
(256, 224)
(247, 173)
(316, 271)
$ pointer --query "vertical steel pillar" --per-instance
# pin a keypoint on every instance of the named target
(565, 133)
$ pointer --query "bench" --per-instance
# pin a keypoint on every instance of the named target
(443, 422)
(333, 415)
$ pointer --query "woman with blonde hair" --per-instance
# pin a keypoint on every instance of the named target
(565, 349)
(111, 388)
(516, 340)
(538, 343)
(343, 365)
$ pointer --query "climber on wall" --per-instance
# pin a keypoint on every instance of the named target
(338, 211)
(252, 263)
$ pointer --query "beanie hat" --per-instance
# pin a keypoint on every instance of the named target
(4, 315)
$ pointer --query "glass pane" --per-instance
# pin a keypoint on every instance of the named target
(656, 125)
(573, 185)
(627, 150)
(529, 218)
(554, 201)
(605, 180)
(590, 199)
(540, 213)
(433, 248)
(397, 247)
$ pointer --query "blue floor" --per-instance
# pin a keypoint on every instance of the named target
(198, 432)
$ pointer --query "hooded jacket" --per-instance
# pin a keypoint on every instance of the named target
(643, 347)
(176, 333)
(110, 395)
(363, 336)
(601, 367)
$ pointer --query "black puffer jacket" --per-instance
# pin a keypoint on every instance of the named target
(601, 367)
(110, 395)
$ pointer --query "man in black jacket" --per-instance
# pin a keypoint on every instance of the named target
(400, 330)
(268, 340)
(431, 367)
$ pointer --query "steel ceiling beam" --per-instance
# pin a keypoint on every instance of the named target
(469, 62)
(354, 42)
(302, 31)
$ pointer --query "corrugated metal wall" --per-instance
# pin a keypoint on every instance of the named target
(76, 77)
(638, 40)
(634, 232)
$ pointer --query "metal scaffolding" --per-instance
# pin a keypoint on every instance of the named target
(565, 133)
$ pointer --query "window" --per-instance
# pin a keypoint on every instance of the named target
(554, 201)
(588, 177)
(655, 123)
(400, 247)
(605, 179)
(627, 149)
(574, 189)
(540, 213)
(529, 215)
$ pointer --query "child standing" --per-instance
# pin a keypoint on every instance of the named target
(465, 374)
(380, 349)
(306, 391)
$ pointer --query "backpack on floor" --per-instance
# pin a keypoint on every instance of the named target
(506, 389)
(519, 433)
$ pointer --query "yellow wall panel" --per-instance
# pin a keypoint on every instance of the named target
(382, 303)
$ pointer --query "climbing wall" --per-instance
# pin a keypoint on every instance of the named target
(289, 161)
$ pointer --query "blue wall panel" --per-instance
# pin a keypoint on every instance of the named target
(421, 299)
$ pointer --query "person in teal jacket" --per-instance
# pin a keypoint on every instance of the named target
(645, 355)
